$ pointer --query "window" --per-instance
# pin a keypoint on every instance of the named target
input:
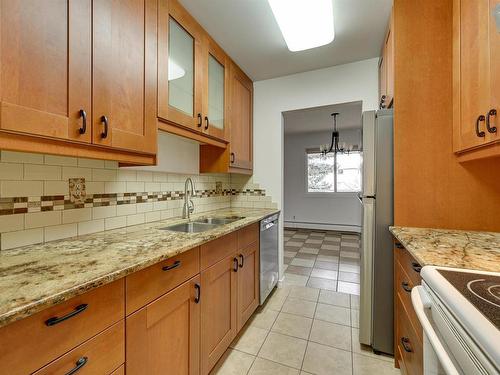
(332, 173)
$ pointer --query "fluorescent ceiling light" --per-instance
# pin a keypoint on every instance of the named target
(174, 70)
(304, 24)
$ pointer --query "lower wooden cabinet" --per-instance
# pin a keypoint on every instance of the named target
(248, 283)
(163, 337)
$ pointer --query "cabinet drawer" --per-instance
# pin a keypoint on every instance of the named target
(248, 235)
(119, 371)
(403, 286)
(146, 285)
(218, 249)
(409, 264)
(409, 345)
(31, 343)
(100, 355)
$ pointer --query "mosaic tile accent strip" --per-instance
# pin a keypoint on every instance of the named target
(19, 205)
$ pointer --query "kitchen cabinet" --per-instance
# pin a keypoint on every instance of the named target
(386, 69)
(163, 337)
(476, 82)
(248, 283)
(79, 78)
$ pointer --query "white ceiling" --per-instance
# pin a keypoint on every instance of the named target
(319, 118)
(248, 32)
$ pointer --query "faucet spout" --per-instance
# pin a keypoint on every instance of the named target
(188, 207)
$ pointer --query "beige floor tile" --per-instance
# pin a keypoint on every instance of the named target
(354, 302)
(355, 318)
(262, 366)
(302, 262)
(285, 350)
(334, 298)
(350, 288)
(331, 334)
(312, 240)
(324, 360)
(275, 301)
(363, 365)
(294, 244)
(348, 267)
(264, 318)
(299, 307)
(233, 362)
(326, 265)
(328, 258)
(324, 274)
(290, 253)
(301, 292)
(365, 350)
(307, 250)
(250, 340)
(294, 280)
(333, 314)
(350, 277)
(330, 247)
(293, 325)
(317, 282)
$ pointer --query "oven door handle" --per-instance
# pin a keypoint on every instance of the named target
(421, 303)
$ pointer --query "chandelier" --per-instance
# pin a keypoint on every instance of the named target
(335, 146)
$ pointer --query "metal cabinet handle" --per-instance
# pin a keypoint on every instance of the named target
(104, 121)
(199, 120)
(478, 132)
(399, 246)
(235, 264)
(56, 320)
(491, 113)
(78, 365)
(406, 286)
(232, 157)
(83, 115)
(176, 264)
(405, 341)
(206, 122)
(242, 260)
(198, 293)
(416, 267)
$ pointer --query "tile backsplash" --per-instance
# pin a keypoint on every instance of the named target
(35, 205)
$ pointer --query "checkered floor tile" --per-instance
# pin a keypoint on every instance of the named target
(322, 259)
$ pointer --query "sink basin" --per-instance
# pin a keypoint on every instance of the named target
(219, 220)
(193, 227)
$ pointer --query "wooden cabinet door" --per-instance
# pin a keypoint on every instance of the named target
(248, 283)
(241, 139)
(382, 81)
(163, 337)
(218, 310)
(472, 75)
(125, 74)
(180, 66)
(494, 72)
(45, 67)
(389, 58)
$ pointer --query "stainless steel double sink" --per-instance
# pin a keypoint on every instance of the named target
(202, 224)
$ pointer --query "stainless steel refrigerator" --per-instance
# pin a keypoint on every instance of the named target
(376, 299)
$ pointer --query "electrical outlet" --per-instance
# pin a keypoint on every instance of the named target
(218, 187)
(77, 191)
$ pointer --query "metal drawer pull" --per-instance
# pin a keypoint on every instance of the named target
(198, 293)
(235, 262)
(78, 365)
(206, 122)
(242, 260)
(399, 246)
(416, 267)
(199, 120)
(405, 341)
(83, 115)
(176, 264)
(55, 320)
(232, 157)
(491, 113)
(479, 133)
(406, 286)
(104, 120)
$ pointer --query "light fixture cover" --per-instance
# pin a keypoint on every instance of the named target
(304, 24)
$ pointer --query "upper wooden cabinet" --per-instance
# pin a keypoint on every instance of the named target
(386, 69)
(476, 81)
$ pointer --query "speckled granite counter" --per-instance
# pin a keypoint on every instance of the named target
(35, 277)
(451, 248)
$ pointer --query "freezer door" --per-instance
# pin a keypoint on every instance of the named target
(369, 153)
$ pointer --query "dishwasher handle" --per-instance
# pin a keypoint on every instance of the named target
(268, 223)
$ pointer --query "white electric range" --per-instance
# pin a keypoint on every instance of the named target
(460, 314)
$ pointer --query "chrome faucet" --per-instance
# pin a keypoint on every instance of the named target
(188, 203)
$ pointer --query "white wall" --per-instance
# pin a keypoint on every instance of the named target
(333, 211)
(338, 84)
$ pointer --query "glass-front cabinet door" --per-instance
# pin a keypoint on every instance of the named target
(180, 67)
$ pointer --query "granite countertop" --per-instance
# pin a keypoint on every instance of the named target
(35, 277)
(451, 248)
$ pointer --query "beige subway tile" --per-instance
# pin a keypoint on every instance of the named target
(21, 189)
(11, 171)
(76, 172)
(94, 187)
(152, 216)
(166, 186)
(61, 160)
(167, 214)
(159, 177)
(11, 223)
(110, 164)
(115, 222)
(11, 240)
(55, 188)
(42, 219)
(144, 176)
(135, 219)
(144, 207)
(90, 163)
(77, 215)
(158, 206)
(152, 187)
(126, 175)
(21, 157)
(42, 172)
(115, 187)
(104, 175)
(126, 209)
(103, 212)
(58, 232)
(93, 226)
(135, 187)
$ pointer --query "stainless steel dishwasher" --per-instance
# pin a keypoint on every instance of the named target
(268, 255)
